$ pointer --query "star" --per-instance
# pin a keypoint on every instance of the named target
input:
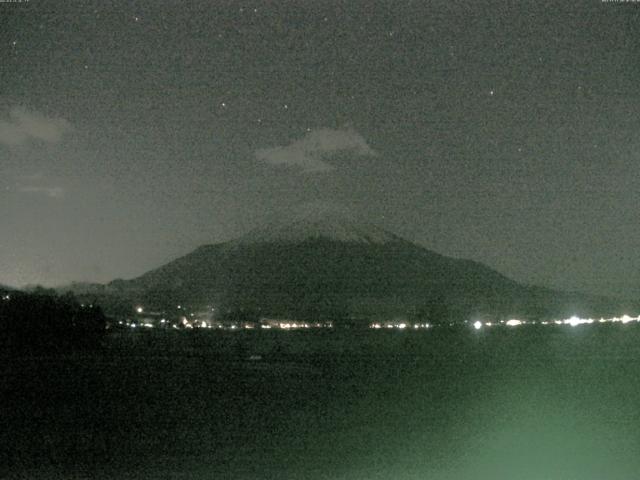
(491, 92)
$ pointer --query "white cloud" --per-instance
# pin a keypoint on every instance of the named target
(23, 125)
(310, 152)
(51, 192)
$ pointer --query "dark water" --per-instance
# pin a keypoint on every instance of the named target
(522, 403)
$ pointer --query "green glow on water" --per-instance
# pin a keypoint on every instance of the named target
(494, 404)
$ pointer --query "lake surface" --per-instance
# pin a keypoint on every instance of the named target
(526, 403)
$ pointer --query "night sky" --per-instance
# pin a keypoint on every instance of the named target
(504, 132)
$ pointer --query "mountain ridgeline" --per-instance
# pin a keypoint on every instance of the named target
(328, 269)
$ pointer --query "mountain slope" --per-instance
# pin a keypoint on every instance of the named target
(336, 268)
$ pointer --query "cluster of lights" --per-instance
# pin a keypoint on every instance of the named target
(573, 321)
(399, 326)
(288, 326)
(136, 325)
(189, 322)
(186, 323)
(296, 325)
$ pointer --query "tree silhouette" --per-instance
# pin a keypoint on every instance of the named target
(44, 322)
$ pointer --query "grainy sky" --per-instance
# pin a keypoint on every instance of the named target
(501, 131)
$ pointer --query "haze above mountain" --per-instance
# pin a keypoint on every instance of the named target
(328, 225)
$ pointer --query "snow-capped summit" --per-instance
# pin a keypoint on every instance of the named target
(319, 225)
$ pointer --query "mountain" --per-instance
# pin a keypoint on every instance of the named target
(4, 290)
(83, 288)
(332, 267)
